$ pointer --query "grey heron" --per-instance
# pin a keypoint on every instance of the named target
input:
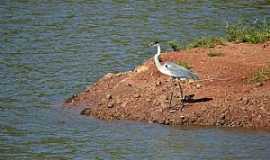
(175, 71)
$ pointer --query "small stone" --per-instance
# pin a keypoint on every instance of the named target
(193, 119)
(110, 105)
(148, 99)
(108, 96)
(198, 86)
(259, 84)
(166, 101)
(240, 99)
(220, 122)
(158, 83)
(109, 75)
(86, 111)
(161, 121)
(167, 122)
(222, 116)
(137, 95)
(245, 100)
(150, 122)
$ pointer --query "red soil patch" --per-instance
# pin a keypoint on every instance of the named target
(143, 94)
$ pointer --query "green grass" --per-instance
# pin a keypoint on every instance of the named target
(261, 75)
(239, 33)
(174, 45)
(207, 42)
(184, 64)
(212, 53)
(257, 33)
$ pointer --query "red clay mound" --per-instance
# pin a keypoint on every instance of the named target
(144, 94)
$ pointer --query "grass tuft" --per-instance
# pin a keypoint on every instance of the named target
(261, 75)
(207, 42)
(212, 53)
(174, 45)
(184, 64)
(256, 33)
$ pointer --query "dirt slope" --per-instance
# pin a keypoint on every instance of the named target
(144, 94)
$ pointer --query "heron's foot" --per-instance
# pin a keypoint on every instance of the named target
(185, 99)
(182, 104)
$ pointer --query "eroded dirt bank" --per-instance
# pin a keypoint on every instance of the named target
(144, 94)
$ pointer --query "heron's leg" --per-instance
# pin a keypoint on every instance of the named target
(172, 84)
(182, 96)
(181, 90)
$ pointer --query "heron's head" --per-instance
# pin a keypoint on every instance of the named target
(154, 44)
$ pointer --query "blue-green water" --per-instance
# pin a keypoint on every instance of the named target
(52, 49)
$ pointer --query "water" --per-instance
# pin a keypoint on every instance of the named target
(52, 49)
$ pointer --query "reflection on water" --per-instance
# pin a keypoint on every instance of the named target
(51, 49)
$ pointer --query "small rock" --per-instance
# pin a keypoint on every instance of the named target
(193, 119)
(185, 120)
(137, 96)
(198, 86)
(220, 122)
(222, 116)
(240, 99)
(109, 75)
(166, 101)
(75, 95)
(167, 122)
(108, 96)
(122, 73)
(172, 111)
(161, 121)
(71, 99)
(110, 105)
(259, 84)
(245, 100)
(150, 121)
(158, 83)
(148, 99)
(86, 111)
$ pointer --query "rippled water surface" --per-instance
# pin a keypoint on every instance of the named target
(52, 49)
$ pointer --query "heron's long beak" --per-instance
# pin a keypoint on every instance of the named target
(151, 44)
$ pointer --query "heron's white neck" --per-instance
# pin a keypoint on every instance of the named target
(156, 58)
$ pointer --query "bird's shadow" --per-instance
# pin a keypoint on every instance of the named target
(191, 99)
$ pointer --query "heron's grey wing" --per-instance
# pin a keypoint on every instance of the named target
(180, 71)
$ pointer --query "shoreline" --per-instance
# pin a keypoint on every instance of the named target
(143, 94)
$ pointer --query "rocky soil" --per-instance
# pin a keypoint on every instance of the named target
(224, 95)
